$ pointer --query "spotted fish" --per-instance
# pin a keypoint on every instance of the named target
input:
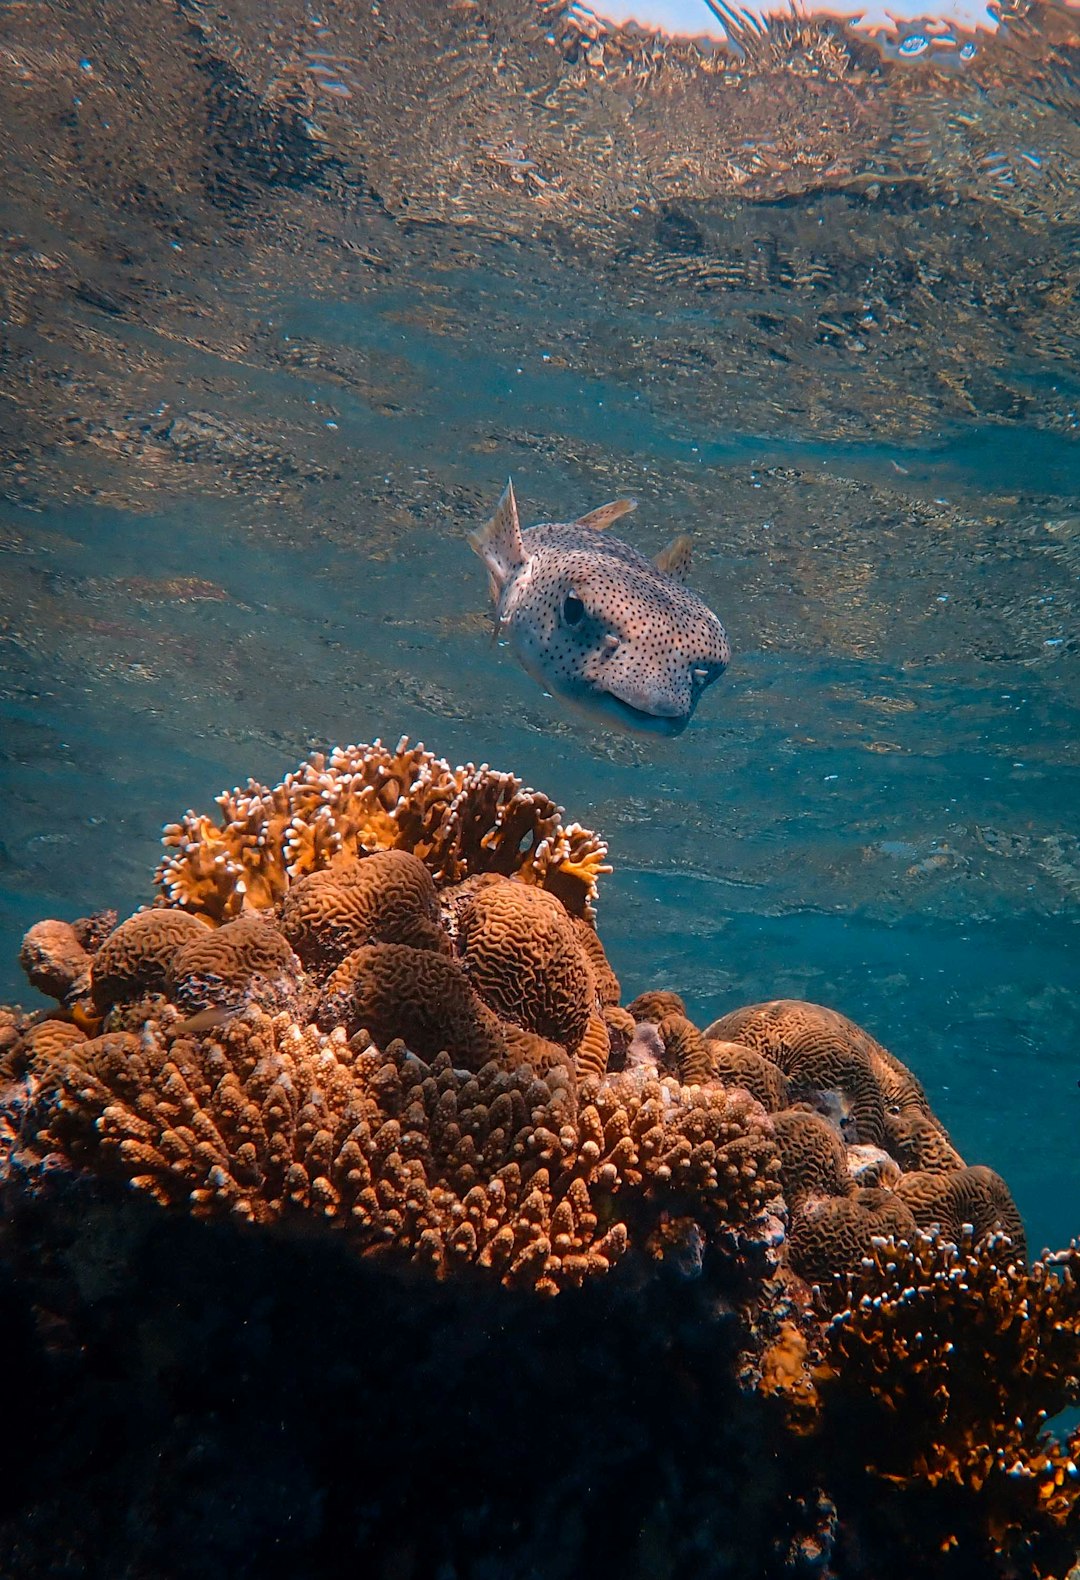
(597, 623)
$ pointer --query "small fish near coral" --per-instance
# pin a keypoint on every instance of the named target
(598, 624)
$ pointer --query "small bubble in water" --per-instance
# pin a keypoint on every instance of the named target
(914, 44)
(86, 65)
(968, 51)
(331, 424)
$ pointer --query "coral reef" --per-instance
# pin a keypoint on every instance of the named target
(374, 1001)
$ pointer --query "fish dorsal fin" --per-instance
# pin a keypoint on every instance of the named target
(606, 514)
(499, 543)
(674, 561)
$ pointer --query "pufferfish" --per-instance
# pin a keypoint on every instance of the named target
(597, 623)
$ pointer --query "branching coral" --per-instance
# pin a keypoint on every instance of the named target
(514, 1173)
(360, 799)
(947, 1359)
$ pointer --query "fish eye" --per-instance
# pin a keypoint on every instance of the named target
(573, 610)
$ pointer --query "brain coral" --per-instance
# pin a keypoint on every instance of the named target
(219, 967)
(392, 990)
(388, 897)
(135, 959)
(522, 954)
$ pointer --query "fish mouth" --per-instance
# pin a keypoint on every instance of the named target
(637, 721)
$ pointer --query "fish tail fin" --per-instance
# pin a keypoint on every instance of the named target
(674, 561)
(604, 515)
(499, 543)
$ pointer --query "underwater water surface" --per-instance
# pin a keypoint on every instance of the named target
(250, 427)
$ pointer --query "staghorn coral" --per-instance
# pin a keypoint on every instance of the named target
(359, 799)
(522, 955)
(947, 1359)
(389, 897)
(135, 959)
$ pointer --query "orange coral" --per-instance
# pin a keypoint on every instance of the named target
(54, 958)
(389, 897)
(360, 799)
(522, 955)
(736, 1065)
(503, 1169)
(975, 1196)
(391, 990)
(655, 1004)
(818, 1050)
(953, 1356)
(830, 1234)
(135, 959)
(220, 967)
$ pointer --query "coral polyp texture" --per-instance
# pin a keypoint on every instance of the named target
(374, 1000)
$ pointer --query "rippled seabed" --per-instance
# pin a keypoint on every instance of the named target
(279, 317)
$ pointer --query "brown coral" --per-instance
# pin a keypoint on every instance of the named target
(812, 1155)
(522, 955)
(499, 1168)
(685, 1050)
(222, 966)
(135, 959)
(42, 1041)
(953, 1356)
(388, 897)
(819, 1051)
(974, 1196)
(737, 1065)
(54, 958)
(830, 1235)
(426, 1000)
(356, 799)
(656, 1004)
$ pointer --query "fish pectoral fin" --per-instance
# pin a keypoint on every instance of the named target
(674, 561)
(603, 516)
(499, 543)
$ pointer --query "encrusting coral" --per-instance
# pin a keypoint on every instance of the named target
(375, 996)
